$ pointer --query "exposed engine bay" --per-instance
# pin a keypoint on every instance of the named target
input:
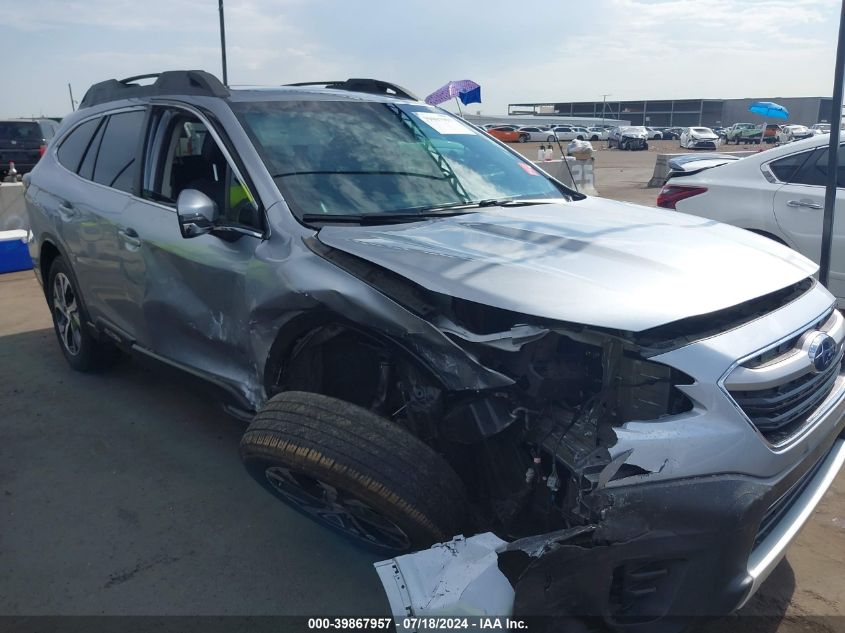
(532, 454)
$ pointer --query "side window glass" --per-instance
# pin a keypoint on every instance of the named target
(814, 171)
(74, 145)
(86, 169)
(190, 158)
(116, 156)
(785, 168)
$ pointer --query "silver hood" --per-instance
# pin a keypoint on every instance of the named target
(595, 262)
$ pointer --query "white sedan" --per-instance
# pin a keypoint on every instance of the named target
(535, 133)
(778, 193)
(789, 133)
(654, 135)
(597, 134)
(699, 138)
(571, 133)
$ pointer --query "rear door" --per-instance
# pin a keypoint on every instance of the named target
(84, 195)
(799, 208)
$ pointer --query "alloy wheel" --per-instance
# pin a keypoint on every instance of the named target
(337, 508)
(66, 314)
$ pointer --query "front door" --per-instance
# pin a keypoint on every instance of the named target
(192, 295)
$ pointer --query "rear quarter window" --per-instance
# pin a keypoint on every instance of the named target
(785, 168)
(74, 144)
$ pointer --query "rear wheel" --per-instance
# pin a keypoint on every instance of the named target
(354, 472)
(78, 344)
(550, 139)
(523, 138)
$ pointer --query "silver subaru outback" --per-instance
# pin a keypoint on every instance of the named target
(621, 412)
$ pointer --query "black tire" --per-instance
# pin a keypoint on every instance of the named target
(83, 351)
(551, 139)
(594, 138)
(580, 137)
(301, 445)
(523, 138)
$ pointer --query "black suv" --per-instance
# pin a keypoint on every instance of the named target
(23, 142)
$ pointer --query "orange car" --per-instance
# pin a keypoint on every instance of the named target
(506, 133)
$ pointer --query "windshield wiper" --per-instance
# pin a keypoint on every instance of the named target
(378, 218)
(420, 213)
(511, 202)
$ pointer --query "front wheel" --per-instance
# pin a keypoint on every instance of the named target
(354, 472)
(78, 344)
(523, 138)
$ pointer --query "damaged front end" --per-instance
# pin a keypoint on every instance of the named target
(620, 490)
(609, 473)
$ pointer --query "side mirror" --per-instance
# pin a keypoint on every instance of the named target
(196, 212)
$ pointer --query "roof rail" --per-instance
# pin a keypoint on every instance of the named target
(369, 86)
(193, 82)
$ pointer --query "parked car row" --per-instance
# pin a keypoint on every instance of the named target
(774, 133)
(545, 133)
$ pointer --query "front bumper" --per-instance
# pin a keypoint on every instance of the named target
(633, 143)
(664, 553)
(702, 143)
(704, 547)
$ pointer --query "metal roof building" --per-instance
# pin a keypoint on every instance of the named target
(679, 112)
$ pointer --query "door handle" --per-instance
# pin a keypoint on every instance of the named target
(806, 204)
(130, 236)
(66, 210)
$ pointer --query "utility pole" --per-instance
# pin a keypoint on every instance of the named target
(604, 103)
(223, 41)
(833, 153)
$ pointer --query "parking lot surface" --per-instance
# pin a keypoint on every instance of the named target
(122, 493)
(622, 175)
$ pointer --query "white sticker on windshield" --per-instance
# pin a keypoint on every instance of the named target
(443, 123)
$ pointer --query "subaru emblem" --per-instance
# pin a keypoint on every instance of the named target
(822, 351)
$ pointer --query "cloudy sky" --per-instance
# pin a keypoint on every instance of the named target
(538, 51)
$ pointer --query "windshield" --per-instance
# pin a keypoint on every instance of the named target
(701, 130)
(360, 158)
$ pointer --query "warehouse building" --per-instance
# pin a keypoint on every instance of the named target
(679, 112)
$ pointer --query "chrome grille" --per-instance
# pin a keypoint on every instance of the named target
(779, 390)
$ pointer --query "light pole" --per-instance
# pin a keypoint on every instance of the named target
(604, 103)
(223, 41)
(833, 153)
